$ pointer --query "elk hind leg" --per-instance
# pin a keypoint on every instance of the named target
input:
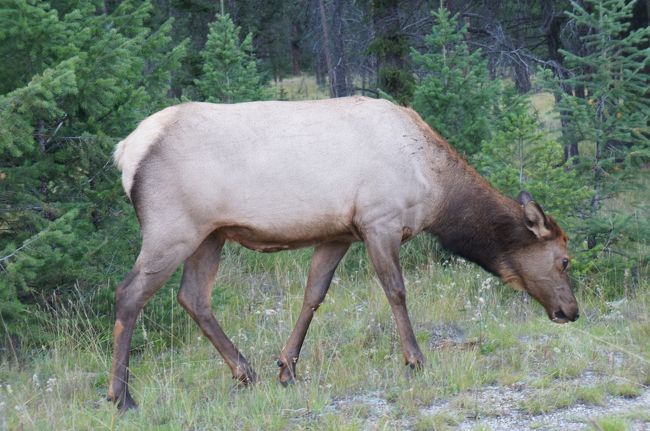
(148, 275)
(194, 295)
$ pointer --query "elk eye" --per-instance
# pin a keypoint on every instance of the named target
(565, 263)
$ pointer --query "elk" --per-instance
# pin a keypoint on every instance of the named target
(283, 175)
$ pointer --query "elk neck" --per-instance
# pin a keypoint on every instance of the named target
(477, 222)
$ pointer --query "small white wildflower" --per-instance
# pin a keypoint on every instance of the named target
(9, 390)
(481, 300)
(556, 349)
(36, 381)
(51, 382)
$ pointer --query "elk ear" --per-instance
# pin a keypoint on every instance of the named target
(534, 216)
(524, 197)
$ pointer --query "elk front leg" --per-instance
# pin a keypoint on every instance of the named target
(195, 296)
(383, 249)
(323, 264)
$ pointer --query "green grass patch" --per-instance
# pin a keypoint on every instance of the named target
(351, 375)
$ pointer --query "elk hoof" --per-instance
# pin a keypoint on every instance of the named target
(415, 363)
(287, 375)
(123, 404)
(245, 376)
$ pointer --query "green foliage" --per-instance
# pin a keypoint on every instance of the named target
(22, 108)
(455, 94)
(391, 79)
(609, 110)
(81, 80)
(519, 156)
(614, 103)
(32, 39)
(229, 67)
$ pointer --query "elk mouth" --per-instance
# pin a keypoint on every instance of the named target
(560, 317)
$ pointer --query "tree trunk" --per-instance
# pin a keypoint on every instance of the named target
(340, 68)
(326, 49)
(522, 77)
(553, 43)
(390, 48)
(318, 67)
(296, 36)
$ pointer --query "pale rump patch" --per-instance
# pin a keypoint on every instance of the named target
(130, 151)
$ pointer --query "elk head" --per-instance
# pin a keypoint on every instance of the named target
(539, 264)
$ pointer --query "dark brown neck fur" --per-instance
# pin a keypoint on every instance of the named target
(474, 220)
(479, 224)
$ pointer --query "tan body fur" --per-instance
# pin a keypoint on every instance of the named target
(282, 175)
(285, 175)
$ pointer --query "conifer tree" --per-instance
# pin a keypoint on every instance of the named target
(520, 157)
(610, 114)
(455, 94)
(229, 70)
(81, 81)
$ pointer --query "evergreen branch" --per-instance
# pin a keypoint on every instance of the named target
(25, 244)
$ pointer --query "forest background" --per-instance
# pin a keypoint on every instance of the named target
(550, 96)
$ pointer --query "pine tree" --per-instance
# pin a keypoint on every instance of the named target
(610, 113)
(390, 47)
(229, 70)
(455, 94)
(520, 156)
(81, 81)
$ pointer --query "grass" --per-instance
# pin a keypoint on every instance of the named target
(479, 337)
(351, 372)
(302, 87)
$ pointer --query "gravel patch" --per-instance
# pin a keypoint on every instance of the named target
(497, 408)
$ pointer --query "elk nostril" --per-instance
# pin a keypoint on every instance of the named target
(559, 315)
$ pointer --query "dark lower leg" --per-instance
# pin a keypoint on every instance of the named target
(291, 350)
(239, 366)
(195, 296)
(413, 357)
(384, 254)
(324, 262)
(118, 391)
(128, 303)
(130, 296)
